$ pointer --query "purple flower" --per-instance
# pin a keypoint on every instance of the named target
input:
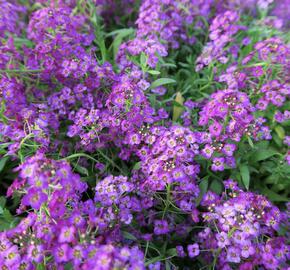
(160, 227)
(207, 151)
(62, 253)
(215, 129)
(233, 255)
(35, 198)
(218, 164)
(180, 251)
(67, 234)
(229, 149)
(12, 256)
(36, 253)
(193, 250)
(247, 249)
(223, 239)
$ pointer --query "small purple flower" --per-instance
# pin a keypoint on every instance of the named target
(67, 234)
(233, 255)
(229, 149)
(35, 198)
(36, 253)
(193, 250)
(223, 239)
(180, 251)
(62, 253)
(207, 151)
(161, 227)
(247, 249)
(134, 139)
(215, 129)
(218, 164)
(12, 256)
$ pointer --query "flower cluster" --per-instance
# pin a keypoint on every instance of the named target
(222, 31)
(49, 183)
(167, 157)
(61, 41)
(119, 121)
(118, 202)
(228, 117)
(243, 230)
(10, 13)
(53, 191)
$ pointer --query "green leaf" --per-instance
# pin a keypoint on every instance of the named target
(178, 109)
(2, 201)
(143, 59)
(162, 81)
(169, 65)
(273, 196)
(245, 173)
(262, 155)
(121, 32)
(153, 72)
(250, 142)
(81, 169)
(153, 260)
(129, 236)
(40, 266)
(216, 186)
(137, 166)
(6, 220)
(3, 162)
(203, 187)
(171, 252)
(280, 131)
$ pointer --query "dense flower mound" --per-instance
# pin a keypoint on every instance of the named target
(243, 230)
(120, 121)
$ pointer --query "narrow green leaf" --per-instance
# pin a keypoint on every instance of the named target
(129, 236)
(3, 162)
(81, 169)
(273, 196)
(280, 131)
(250, 142)
(245, 173)
(162, 81)
(153, 72)
(153, 260)
(177, 110)
(216, 186)
(203, 187)
(137, 166)
(143, 59)
(171, 252)
(262, 154)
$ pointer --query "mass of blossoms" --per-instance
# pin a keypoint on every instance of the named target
(149, 134)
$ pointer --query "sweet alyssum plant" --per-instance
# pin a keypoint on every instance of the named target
(145, 134)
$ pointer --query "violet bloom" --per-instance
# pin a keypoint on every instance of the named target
(215, 129)
(233, 255)
(62, 253)
(218, 164)
(223, 239)
(35, 198)
(193, 250)
(249, 229)
(35, 252)
(12, 256)
(180, 251)
(161, 227)
(229, 149)
(247, 249)
(207, 151)
(67, 234)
